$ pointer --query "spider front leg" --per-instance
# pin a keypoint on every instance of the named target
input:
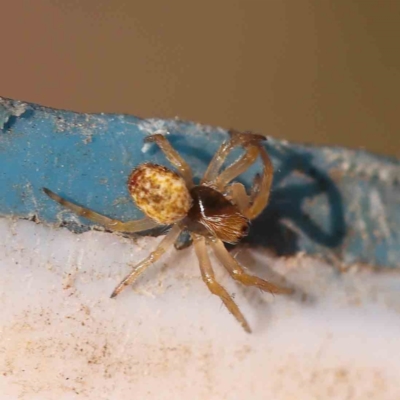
(238, 167)
(261, 187)
(168, 240)
(173, 157)
(218, 160)
(237, 193)
(139, 225)
(246, 140)
(262, 184)
(237, 272)
(208, 276)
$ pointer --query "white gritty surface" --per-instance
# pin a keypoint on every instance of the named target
(62, 337)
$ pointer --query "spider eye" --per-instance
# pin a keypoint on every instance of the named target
(160, 193)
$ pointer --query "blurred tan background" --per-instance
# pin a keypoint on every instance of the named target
(320, 71)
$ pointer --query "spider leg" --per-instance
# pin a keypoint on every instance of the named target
(168, 240)
(173, 157)
(255, 188)
(245, 140)
(208, 276)
(238, 167)
(237, 272)
(261, 187)
(252, 206)
(217, 161)
(143, 224)
(237, 192)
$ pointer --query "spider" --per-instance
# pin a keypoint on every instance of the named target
(213, 212)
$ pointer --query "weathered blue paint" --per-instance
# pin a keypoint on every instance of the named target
(333, 202)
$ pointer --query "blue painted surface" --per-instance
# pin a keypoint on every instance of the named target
(329, 201)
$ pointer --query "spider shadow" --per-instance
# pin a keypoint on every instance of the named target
(287, 202)
(264, 270)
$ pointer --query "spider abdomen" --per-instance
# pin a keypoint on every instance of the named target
(160, 193)
(217, 214)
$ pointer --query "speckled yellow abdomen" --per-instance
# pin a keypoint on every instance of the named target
(160, 193)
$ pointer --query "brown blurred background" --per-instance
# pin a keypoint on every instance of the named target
(320, 71)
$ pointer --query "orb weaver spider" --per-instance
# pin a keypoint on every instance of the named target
(213, 212)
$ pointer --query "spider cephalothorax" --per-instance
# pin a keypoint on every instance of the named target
(214, 212)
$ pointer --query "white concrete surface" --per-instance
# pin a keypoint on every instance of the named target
(62, 337)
